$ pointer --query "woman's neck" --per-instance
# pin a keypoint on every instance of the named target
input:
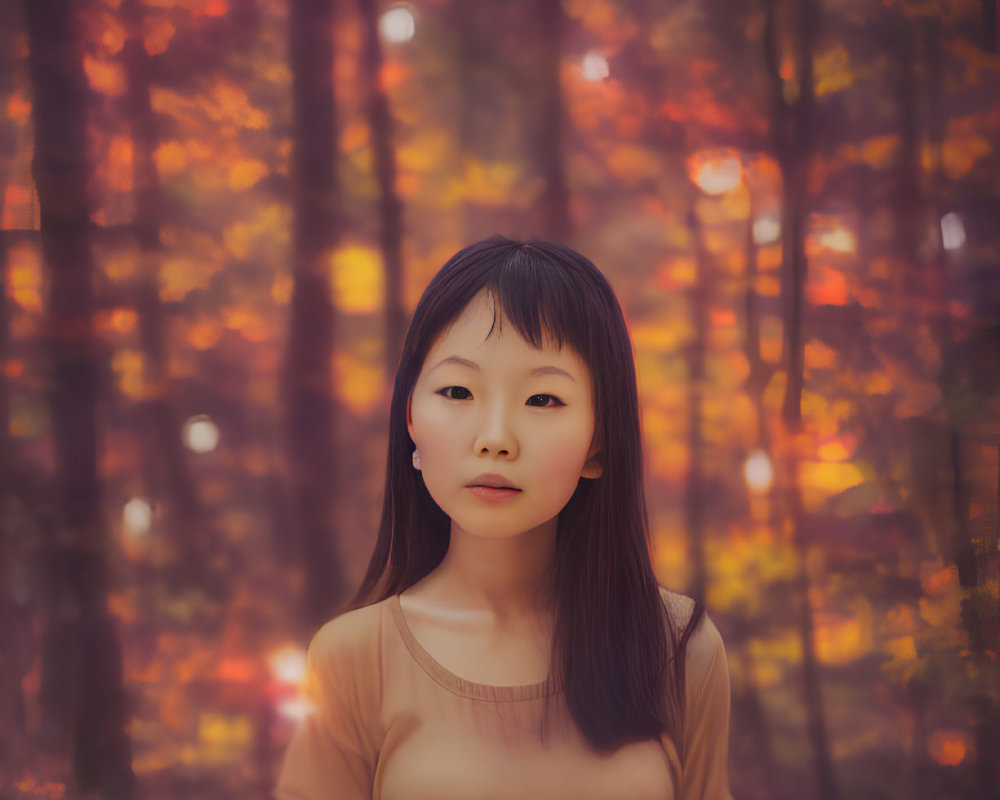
(509, 577)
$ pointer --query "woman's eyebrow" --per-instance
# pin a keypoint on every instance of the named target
(464, 362)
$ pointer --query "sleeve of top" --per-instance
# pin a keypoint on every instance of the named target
(706, 717)
(332, 754)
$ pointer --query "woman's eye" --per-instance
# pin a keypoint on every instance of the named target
(543, 400)
(455, 392)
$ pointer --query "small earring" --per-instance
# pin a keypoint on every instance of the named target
(416, 460)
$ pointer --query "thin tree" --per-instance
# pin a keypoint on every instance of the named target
(792, 122)
(161, 428)
(309, 412)
(694, 494)
(553, 203)
(390, 207)
(11, 697)
(756, 383)
(968, 380)
(82, 662)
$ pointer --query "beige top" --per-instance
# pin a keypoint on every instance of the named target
(391, 723)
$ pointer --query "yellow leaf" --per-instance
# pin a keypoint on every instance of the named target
(630, 163)
(219, 729)
(156, 38)
(487, 184)
(281, 289)
(171, 157)
(357, 280)
(880, 151)
(128, 367)
(245, 173)
(821, 480)
(204, 334)
(840, 640)
(833, 70)
(819, 356)
(663, 337)
(359, 384)
(901, 648)
(230, 103)
(249, 322)
(424, 151)
(181, 275)
(24, 277)
(767, 286)
(105, 77)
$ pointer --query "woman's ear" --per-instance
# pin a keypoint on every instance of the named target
(409, 416)
(592, 467)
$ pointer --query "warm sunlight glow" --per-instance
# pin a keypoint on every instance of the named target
(595, 67)
(829, 233)
(952, 231)
(137, 517)
(397, 25)
(288, 664)
(839, 240)
(766, 229)
(716, 171)
(200, 434)
(296, 708)
(758, 472)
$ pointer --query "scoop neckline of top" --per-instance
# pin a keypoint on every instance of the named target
(456, 684)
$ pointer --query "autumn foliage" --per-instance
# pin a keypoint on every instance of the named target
(874, 517)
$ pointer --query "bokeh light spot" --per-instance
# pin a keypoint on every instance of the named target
(758, 472)
(288, 664)
(716, 171)
(397, 25)
(137, 517)
(952, 231)
(200, 434)
(766, 229)
(595, 67)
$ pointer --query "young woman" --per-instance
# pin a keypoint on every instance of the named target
(509, 639)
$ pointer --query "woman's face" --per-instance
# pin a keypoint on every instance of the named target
(498, 406)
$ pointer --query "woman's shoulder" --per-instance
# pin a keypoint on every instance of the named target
(353, 632)
(705, 642)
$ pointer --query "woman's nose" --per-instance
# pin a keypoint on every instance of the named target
(496, 435)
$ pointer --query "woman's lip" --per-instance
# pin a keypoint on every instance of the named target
(493, 494)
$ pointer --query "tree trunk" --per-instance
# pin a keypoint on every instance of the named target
(991, 28)
(753, 705)
(791, 126)
(307, 379)
(82, 659)
(166, 462)
(554, 200)
(390, 207)
(694, 496)
(13, 610)
(760, 373)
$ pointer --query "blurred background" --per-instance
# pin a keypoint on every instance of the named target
(217, 216)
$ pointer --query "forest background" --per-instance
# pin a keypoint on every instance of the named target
(217, 216)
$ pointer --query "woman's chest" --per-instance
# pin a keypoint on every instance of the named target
(493, 758)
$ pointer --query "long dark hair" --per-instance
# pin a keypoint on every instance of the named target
(618, 657)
